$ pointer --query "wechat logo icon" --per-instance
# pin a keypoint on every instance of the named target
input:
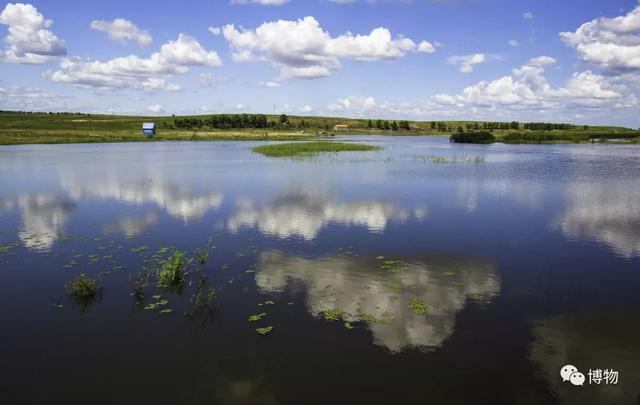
(570, 373)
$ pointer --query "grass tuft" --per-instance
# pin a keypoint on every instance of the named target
(172, 273)
(82, 287)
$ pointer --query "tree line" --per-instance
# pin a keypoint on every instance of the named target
(224, 121)
(513, 125)
(389, 125)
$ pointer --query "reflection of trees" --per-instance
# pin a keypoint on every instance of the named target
(360, 287)
(43, 217)
(304, 214)
(607, 213)
(600, 340)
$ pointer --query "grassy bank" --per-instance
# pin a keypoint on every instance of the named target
(302, 149)
(46, 128)
(532, 137)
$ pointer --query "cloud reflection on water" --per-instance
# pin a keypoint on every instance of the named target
(359, 286)
(607, 213)
(304, 214)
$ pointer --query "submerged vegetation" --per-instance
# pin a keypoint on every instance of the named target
(302, 149)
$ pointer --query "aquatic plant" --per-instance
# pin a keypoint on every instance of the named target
(172, 273)
(394, 285)
(457, 159)
(418, 306)
(265, 330)
(257, 317)
(138, 283)
(302, 149)
(370, 318)
(348, 325)
(201, 303)
(82, 286)
(333, 314)
(201, 255)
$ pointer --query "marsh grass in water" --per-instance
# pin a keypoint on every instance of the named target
(84, 290)
(457, 159)
(304, 149)
(172, 273)
(83, 286)
(201, 305)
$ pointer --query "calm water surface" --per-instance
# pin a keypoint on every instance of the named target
(527, 258)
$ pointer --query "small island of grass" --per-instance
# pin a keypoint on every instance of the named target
(302, 149)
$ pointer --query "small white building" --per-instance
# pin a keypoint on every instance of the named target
(149, 128)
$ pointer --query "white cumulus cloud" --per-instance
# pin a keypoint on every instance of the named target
(303, 49)
(133, 72)
(29, 38)
(610, 43)
(122, 30)
(465, 63)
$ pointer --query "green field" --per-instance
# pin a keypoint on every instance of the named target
(36, 128)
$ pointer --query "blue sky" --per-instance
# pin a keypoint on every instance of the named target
(533, 60)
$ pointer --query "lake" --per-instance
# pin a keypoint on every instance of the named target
(426, 272)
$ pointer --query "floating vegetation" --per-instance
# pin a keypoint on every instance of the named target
(372, 319)
(380, 257)
(333, 314)
(140, 249)
(158, 304)
(448, 273)
(457, 159)
(418, 306)
(172, 273)
(348, 325)
(265, 330)
(269, 303)
(70, 264)
(394, 285)
(7, 248)
(257, 317)
(307, 149)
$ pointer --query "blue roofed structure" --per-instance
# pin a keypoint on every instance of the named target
(149, 128)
